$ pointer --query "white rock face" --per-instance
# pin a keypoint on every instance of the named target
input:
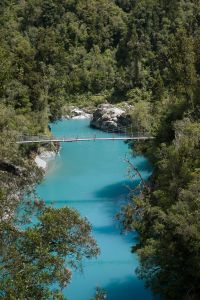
(76, 113)
(86, 116)
(110, 118)
(40, 162)
(79, 114)
(43, 159)
(66, 117)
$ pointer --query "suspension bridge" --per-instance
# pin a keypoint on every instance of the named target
(125, 134)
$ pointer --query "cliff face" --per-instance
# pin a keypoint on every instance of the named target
(10, 168)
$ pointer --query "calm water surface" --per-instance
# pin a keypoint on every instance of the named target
(93, 178)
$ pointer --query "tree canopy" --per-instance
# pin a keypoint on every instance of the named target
(143, 52)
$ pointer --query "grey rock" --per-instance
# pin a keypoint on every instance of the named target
(110, 118)
(76, 113)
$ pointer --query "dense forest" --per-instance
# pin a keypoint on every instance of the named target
(145, 53)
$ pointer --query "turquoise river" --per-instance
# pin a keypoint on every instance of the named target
(93, 178)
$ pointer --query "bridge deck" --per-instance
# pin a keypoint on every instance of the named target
(86, 139)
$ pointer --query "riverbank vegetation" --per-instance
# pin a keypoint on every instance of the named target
(166, 216)
(145, 53)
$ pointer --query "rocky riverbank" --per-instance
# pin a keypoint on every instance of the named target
(105, 117)
(45, 154)
(76, 113)
(44, 158)
(110, 118)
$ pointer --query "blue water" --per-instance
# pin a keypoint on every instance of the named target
(93, 178)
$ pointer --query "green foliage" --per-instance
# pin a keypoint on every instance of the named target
(167, 218)
(146, 53)
(141, 117)
(161, 55)
(34, 259)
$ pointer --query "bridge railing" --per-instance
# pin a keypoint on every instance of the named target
(121, 131)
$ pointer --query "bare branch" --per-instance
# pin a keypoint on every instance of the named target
(137, 172)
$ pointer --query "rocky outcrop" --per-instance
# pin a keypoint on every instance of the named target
(110, 118)
(41, 163)
(43, 158)
(76, 113)
(9, 167)
(80, 114)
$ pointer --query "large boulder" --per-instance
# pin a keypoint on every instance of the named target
(110, 118)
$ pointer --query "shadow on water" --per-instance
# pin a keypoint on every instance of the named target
(73, 202)
(112, 230)
(118, 190)
(131, 288)
(142, 165)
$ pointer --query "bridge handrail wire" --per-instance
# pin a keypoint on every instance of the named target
(123, 131)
